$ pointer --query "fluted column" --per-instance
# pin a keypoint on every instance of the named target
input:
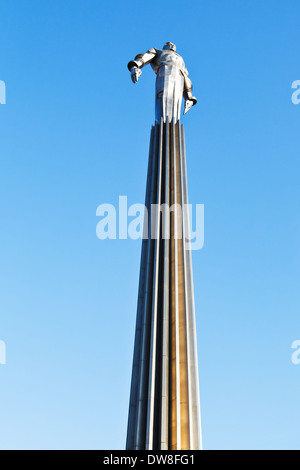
(164, 412)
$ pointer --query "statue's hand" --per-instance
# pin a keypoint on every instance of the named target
(135, 74)
(191, 101)
(187, 106)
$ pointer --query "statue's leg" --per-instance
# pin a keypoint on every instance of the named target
(169, 90)
(158, 105)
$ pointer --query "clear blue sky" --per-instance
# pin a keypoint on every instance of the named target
(75, 134)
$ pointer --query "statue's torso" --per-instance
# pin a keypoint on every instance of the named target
(165, 60)
(169, 68)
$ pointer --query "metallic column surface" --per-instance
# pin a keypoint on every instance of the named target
(164, 411)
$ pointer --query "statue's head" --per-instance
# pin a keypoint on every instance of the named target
(169, 46)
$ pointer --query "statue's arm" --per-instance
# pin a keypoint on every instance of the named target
(134, 66)
(190, 100)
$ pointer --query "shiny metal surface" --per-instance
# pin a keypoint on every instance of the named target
(155, 305)
(195, 413)
(164, 412)
(164, 430)
(172, 81)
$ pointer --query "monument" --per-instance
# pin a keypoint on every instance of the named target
(164, 409)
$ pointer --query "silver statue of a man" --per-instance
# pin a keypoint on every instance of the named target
(172, 81)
